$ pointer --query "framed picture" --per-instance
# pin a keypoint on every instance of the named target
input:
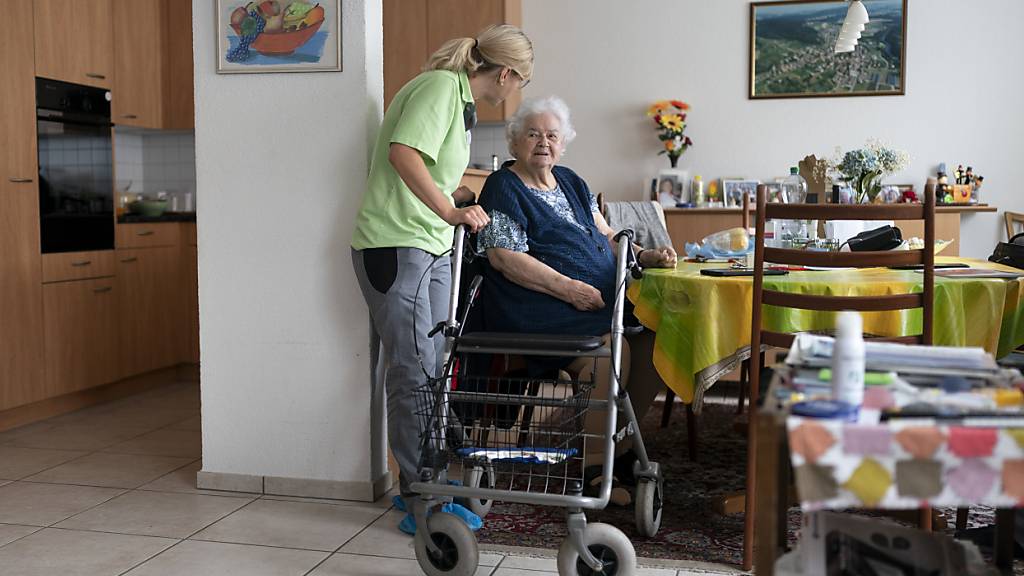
(278, 36)
(734, 189)
(670, 187)
(792, 50)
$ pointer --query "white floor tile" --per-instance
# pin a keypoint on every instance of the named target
(183, 480)
(46, 504)
(163, 442)
(111, 470)
(73, 553)
(17, 463)
(382, 538)
(155, 514)
(529, 563)
(76, 437)
(11, 532)
(502, 571)
(191, 558)
(355, 565)
(301, 525)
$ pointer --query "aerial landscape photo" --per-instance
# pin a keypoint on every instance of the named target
(794, 50)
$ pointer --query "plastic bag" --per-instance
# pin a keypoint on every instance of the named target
(731, 243)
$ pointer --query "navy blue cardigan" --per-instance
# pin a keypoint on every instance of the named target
(583, 255)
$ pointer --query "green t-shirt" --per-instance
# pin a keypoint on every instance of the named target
(426, 114)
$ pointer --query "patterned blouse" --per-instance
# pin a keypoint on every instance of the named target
(504, 232)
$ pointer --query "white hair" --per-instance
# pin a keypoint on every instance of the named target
(531, 107)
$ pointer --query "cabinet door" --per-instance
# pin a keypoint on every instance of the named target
(405, 43)
(190, 282)
(80, 320)
(21, 304)
(151, 308)
(449, 19)
(73, 40)
(179, 107)
(138, 63)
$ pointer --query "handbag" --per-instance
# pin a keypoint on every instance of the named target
(1010, 253)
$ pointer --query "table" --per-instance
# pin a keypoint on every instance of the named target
(702, 323)
(892, 465)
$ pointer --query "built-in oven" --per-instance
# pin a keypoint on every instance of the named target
(76, 167)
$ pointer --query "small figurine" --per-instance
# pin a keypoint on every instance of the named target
(969, 176)
(941, 186)
(959, 174)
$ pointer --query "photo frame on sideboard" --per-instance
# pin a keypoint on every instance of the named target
(671, 187)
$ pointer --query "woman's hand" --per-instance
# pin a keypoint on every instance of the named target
(664, 257)
(583, 296)
(473, 217)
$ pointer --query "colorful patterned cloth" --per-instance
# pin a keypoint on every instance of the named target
(904, 465)
(702, 320)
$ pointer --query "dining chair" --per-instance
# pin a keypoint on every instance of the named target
(1014, 223)
(769, 296)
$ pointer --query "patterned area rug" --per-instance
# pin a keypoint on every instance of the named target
(690, 529)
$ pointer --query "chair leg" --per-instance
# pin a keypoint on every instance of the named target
(666, 412)
(961, 518)
(692, 429)
(744, 382)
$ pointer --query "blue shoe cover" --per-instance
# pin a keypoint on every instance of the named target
(408, 524)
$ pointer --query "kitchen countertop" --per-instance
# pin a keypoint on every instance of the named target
(166, 217)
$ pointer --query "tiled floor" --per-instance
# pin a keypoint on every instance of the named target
(111, 490)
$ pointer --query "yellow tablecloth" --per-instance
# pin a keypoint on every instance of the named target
(701, 320)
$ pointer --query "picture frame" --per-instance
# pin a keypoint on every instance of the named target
(303, 36)
(792, 50)
(734, 188)
(671, 187)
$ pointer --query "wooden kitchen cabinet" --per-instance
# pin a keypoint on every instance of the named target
(138, 63)
(413, 30)
(21, 304)
(80, 324)
(73, 40)
(190, 286)
(151, 309)
(179, 103)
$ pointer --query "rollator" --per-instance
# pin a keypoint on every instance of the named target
(516, 438)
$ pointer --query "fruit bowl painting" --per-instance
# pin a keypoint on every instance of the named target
(278, 35)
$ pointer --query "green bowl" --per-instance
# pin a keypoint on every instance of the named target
(149, 208)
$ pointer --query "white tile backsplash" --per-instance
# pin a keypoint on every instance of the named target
(488, 140)
(155, 160)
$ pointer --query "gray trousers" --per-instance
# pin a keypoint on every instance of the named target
(400, 285)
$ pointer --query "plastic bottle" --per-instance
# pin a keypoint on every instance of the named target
(848, 359)
(697, 193)
(794, 187)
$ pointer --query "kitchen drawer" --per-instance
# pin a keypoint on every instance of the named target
(77, 265)
(148, 235)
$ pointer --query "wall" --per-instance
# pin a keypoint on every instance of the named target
(281, 159)
(610, 60)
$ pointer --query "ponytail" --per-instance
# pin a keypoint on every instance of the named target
(500, 46)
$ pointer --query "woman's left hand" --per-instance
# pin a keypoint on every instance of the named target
(664, 257)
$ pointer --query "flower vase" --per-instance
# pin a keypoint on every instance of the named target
(673, 160)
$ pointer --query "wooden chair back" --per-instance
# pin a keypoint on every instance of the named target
(762, 296)
(1014, 223)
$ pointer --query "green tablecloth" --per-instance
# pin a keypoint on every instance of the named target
(701, 320)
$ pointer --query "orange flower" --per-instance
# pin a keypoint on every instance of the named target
(670, 145)
(680, 104)
(658, 107)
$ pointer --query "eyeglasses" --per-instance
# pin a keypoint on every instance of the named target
(522, 81)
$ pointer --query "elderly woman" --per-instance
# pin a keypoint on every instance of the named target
(550, 253)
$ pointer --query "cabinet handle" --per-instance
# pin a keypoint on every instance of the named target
(95, 75)
(81, 263)
(145, 233)
(102, 289)
(20, 180)
(129, 116)
(128, 260)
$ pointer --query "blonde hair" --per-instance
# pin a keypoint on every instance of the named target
(499, 46)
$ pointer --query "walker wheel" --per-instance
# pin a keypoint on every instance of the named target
(459, 554)
(608, 544)
(648, 507)
(476, 477)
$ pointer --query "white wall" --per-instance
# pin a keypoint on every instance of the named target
(610, 60)
(281, 163)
